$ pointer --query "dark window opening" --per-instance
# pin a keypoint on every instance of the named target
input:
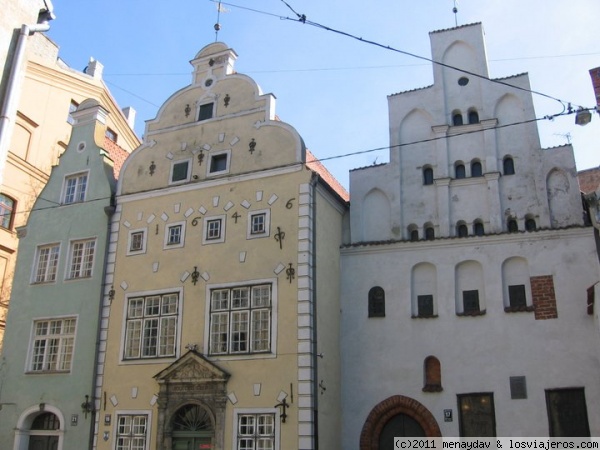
(478, 229)
(425, 305)
(473, 117)
(471, 302)
(433, 375)
(180, 171)
(508, 166)
(414, 235)
(457, 119)
(206, 111)
(376, 302)
(476, 169)
(476, 415)
(462, 231)
(567, 412)
(512, 226)
(428, 176)
(429, 233)
(530, 224)
(459, 171)
(218, 163)
(516, 296)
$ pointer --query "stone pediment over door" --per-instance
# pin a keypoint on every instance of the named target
(191, 380)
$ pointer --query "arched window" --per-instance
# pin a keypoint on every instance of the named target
(478, 228)
(512, 226)
(427, 176)
(508, 166)
(376, 302)
(433, 375)
(476, 170)
(459, 171)
(473, 116)
(413, 233)
(46, 421)
(7, 211)
(429, 233)
(462, 230)
(457, 119)
(530, 224)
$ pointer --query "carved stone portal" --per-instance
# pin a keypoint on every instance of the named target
(191, 380)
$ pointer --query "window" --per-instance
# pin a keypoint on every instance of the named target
(473, 117)
(508, 166)
(476, 415)
(81, 258)
(427, 176)
(414, 235)
(258, 224)
(429, 233)
(567, 412)
(530, 224)
(518, 388)
(46, 263)
(180, 171)
(52, 345)
(131, 432)
(110, 134)
(457, 119)
(174, 235)
(256, 431)
(462, 230)
(75, 187)
(433, 375)
(512, 226)
(425, 306)
(7, 210)
(476, 169)
(478, 229)
(136, 242)
(459, 171)
(151, 328)
(206, 111)
(72, 108)
(516, 296)
(214, 230)
(219, 163)
(240, 320)
(376, 302)
(471, 302)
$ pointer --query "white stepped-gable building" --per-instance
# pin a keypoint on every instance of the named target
(464, 284)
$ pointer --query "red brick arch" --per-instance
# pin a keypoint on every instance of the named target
(390, 407)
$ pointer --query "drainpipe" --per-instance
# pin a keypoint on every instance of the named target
(313, 187)
(13, 86)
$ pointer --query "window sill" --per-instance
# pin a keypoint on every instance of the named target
(471, 313)
(47, 372)
(515, 309)
(433, 388)
(434, 316)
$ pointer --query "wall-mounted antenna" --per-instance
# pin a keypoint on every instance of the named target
(455, 11)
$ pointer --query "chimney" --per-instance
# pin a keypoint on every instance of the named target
(94, 69)
(129, 113)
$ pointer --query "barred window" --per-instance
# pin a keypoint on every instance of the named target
(46, 263)
(256, 432)
(240, 320)
(151, 328)
(131, 432)
(52, 345)
(82, 258)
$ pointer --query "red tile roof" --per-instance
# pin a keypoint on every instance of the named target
(314, 164)
(589, 180)
(116, 153)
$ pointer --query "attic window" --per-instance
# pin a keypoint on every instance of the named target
(206, 111)
(110, 134)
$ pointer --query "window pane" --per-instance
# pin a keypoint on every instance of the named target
(6, 211)
(516, 295)
(52, 348)
(206, 111)
(471, 301)
(180, 171)
(425, 305)
(218, 163)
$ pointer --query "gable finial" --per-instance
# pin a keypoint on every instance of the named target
(220, 9)
(455, 11)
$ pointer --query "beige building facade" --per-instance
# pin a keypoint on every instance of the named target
(46, 91)
(220, 322)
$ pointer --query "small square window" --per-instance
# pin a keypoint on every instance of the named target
(258, 224)
(174, 235)
(425, 305)
(471, 302)
(180, 171)
(137, 242)
(218, 163)
(206, 111)
(516, 295)
(214, 230)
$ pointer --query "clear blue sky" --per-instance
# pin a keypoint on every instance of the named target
(331, 88)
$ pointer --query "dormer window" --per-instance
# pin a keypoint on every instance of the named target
(205, 112)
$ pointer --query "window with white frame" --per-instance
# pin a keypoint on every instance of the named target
(256, 431)
(151, 326)
(258, 224)
(46, 263)
(52, 345)
(214, 229)
(75, 188)
(174, 235)
(81, 259)
(136, 242)
(219, 163)
(131, 431)
(180, 171)
(240, 320)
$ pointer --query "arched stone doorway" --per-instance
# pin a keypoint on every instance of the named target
(397, 414)
(192, 428)
(40, 427)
